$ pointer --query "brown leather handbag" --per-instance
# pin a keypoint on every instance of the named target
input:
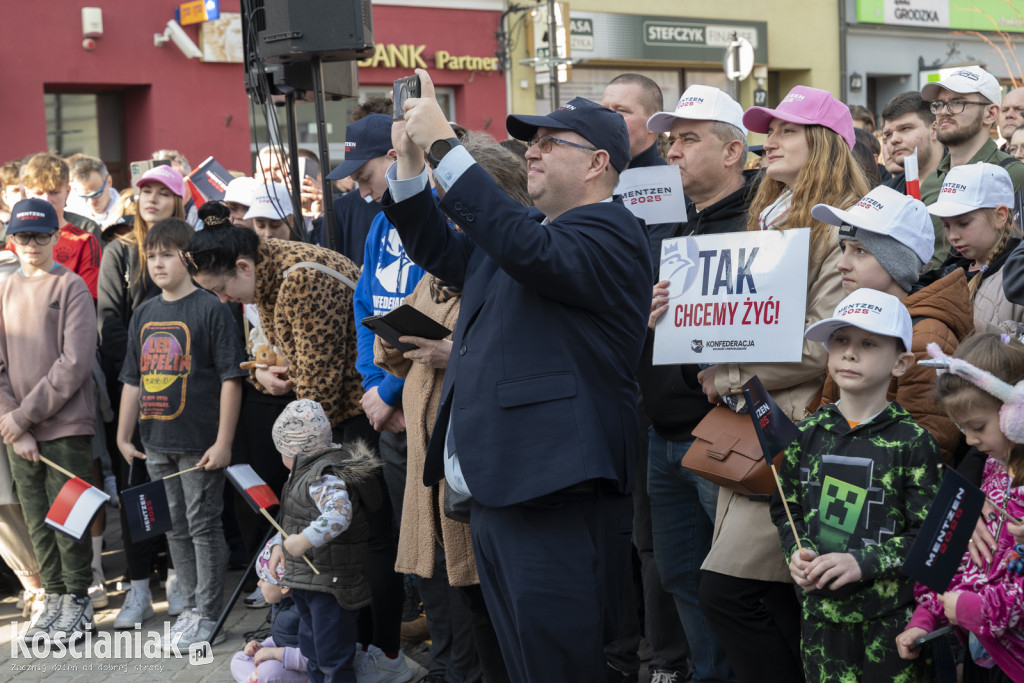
(726, 451)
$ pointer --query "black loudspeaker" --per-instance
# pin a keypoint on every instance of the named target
(296, 30)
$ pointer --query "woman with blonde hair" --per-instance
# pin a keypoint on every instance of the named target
(746, 591)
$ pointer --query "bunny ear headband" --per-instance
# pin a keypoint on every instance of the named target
(1011, 413)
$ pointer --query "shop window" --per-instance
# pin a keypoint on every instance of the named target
(88, 123)
(590, 83)
(712, 77)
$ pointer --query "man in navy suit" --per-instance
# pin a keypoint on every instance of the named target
(538, 412)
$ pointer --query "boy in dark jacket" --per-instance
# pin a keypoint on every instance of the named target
(858, 481)
(322, 513)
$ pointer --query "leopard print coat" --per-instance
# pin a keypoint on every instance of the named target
(309, 317)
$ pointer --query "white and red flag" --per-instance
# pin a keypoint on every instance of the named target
(255, 491)
(75, 507)
(910, 173)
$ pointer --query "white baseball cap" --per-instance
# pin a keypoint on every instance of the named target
(884, 211)
(700, 103)
(973, 186)
(967, 80)
(270, 200)
(869, 310)
(241, 190)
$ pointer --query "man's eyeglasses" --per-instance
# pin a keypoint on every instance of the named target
(953, 106)
(27, 238)
(97, 193)
(546, 142)
(195, 261)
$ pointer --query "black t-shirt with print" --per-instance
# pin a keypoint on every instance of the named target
(178, 354)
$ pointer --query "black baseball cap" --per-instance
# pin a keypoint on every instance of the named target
(32, 215)
(365, 139)
(602, 127)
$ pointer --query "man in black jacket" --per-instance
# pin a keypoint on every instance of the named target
(637, 98)
(709, 148)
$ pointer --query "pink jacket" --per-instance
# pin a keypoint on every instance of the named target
(991, 607)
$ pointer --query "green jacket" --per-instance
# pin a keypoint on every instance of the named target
(932, 183)
(863, 491)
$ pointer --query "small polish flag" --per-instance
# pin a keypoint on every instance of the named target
(910, 173)
(255, 491)
(75, 507)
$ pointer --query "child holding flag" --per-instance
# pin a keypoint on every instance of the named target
(183, 386)
(323, 512)
(47, 346)
(858, 482)
(984, 601)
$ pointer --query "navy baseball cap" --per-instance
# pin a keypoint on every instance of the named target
(602, 127)
(32, 215)
(367, 138)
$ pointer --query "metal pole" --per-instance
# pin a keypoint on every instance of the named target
(293, 163)
(553, 54)
(321, 139)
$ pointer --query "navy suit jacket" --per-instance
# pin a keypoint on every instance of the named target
(540, 386)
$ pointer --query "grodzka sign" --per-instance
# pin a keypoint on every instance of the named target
(734, 298)
(408, 56)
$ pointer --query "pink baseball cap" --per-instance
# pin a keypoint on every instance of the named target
(808, 107)
(166, 176)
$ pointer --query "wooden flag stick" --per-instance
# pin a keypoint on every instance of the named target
(285, 534)
(782, 495)
(56, 466)
(178, 474)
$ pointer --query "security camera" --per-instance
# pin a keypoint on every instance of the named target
(177, 34)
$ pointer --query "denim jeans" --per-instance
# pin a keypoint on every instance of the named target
(682, 523)
(196, 539)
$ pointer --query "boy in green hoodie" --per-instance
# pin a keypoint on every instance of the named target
(858, 481)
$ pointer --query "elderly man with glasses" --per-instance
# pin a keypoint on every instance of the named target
(538, 416)
(966, 105)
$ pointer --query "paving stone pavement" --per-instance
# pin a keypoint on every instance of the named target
(17, 663)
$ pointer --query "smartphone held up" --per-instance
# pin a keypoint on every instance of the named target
(404, 88)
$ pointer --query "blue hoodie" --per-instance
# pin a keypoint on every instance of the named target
(388, 276)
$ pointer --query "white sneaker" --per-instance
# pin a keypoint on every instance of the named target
(175, 604)
(255, 600)
(200, 632)
(46, 617)
(137, 608)
(373, 666)
(182, 631)
(75, 618)
(98, 592)
(31, 602)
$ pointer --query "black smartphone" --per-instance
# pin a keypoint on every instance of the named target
(937, 633)
(404, 88)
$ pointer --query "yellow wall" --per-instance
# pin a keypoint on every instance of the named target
(803, 39)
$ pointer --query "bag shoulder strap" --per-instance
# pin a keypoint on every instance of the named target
(1009, 161)
(326, 270)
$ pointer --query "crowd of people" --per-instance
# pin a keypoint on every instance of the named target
(520, 478)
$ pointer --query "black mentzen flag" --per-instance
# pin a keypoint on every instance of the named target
(940, 544)
(146, 510)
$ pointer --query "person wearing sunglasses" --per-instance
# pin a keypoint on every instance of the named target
(966, 105)
(92, 191)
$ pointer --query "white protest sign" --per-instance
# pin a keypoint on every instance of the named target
(653, 194)
(734, 298)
